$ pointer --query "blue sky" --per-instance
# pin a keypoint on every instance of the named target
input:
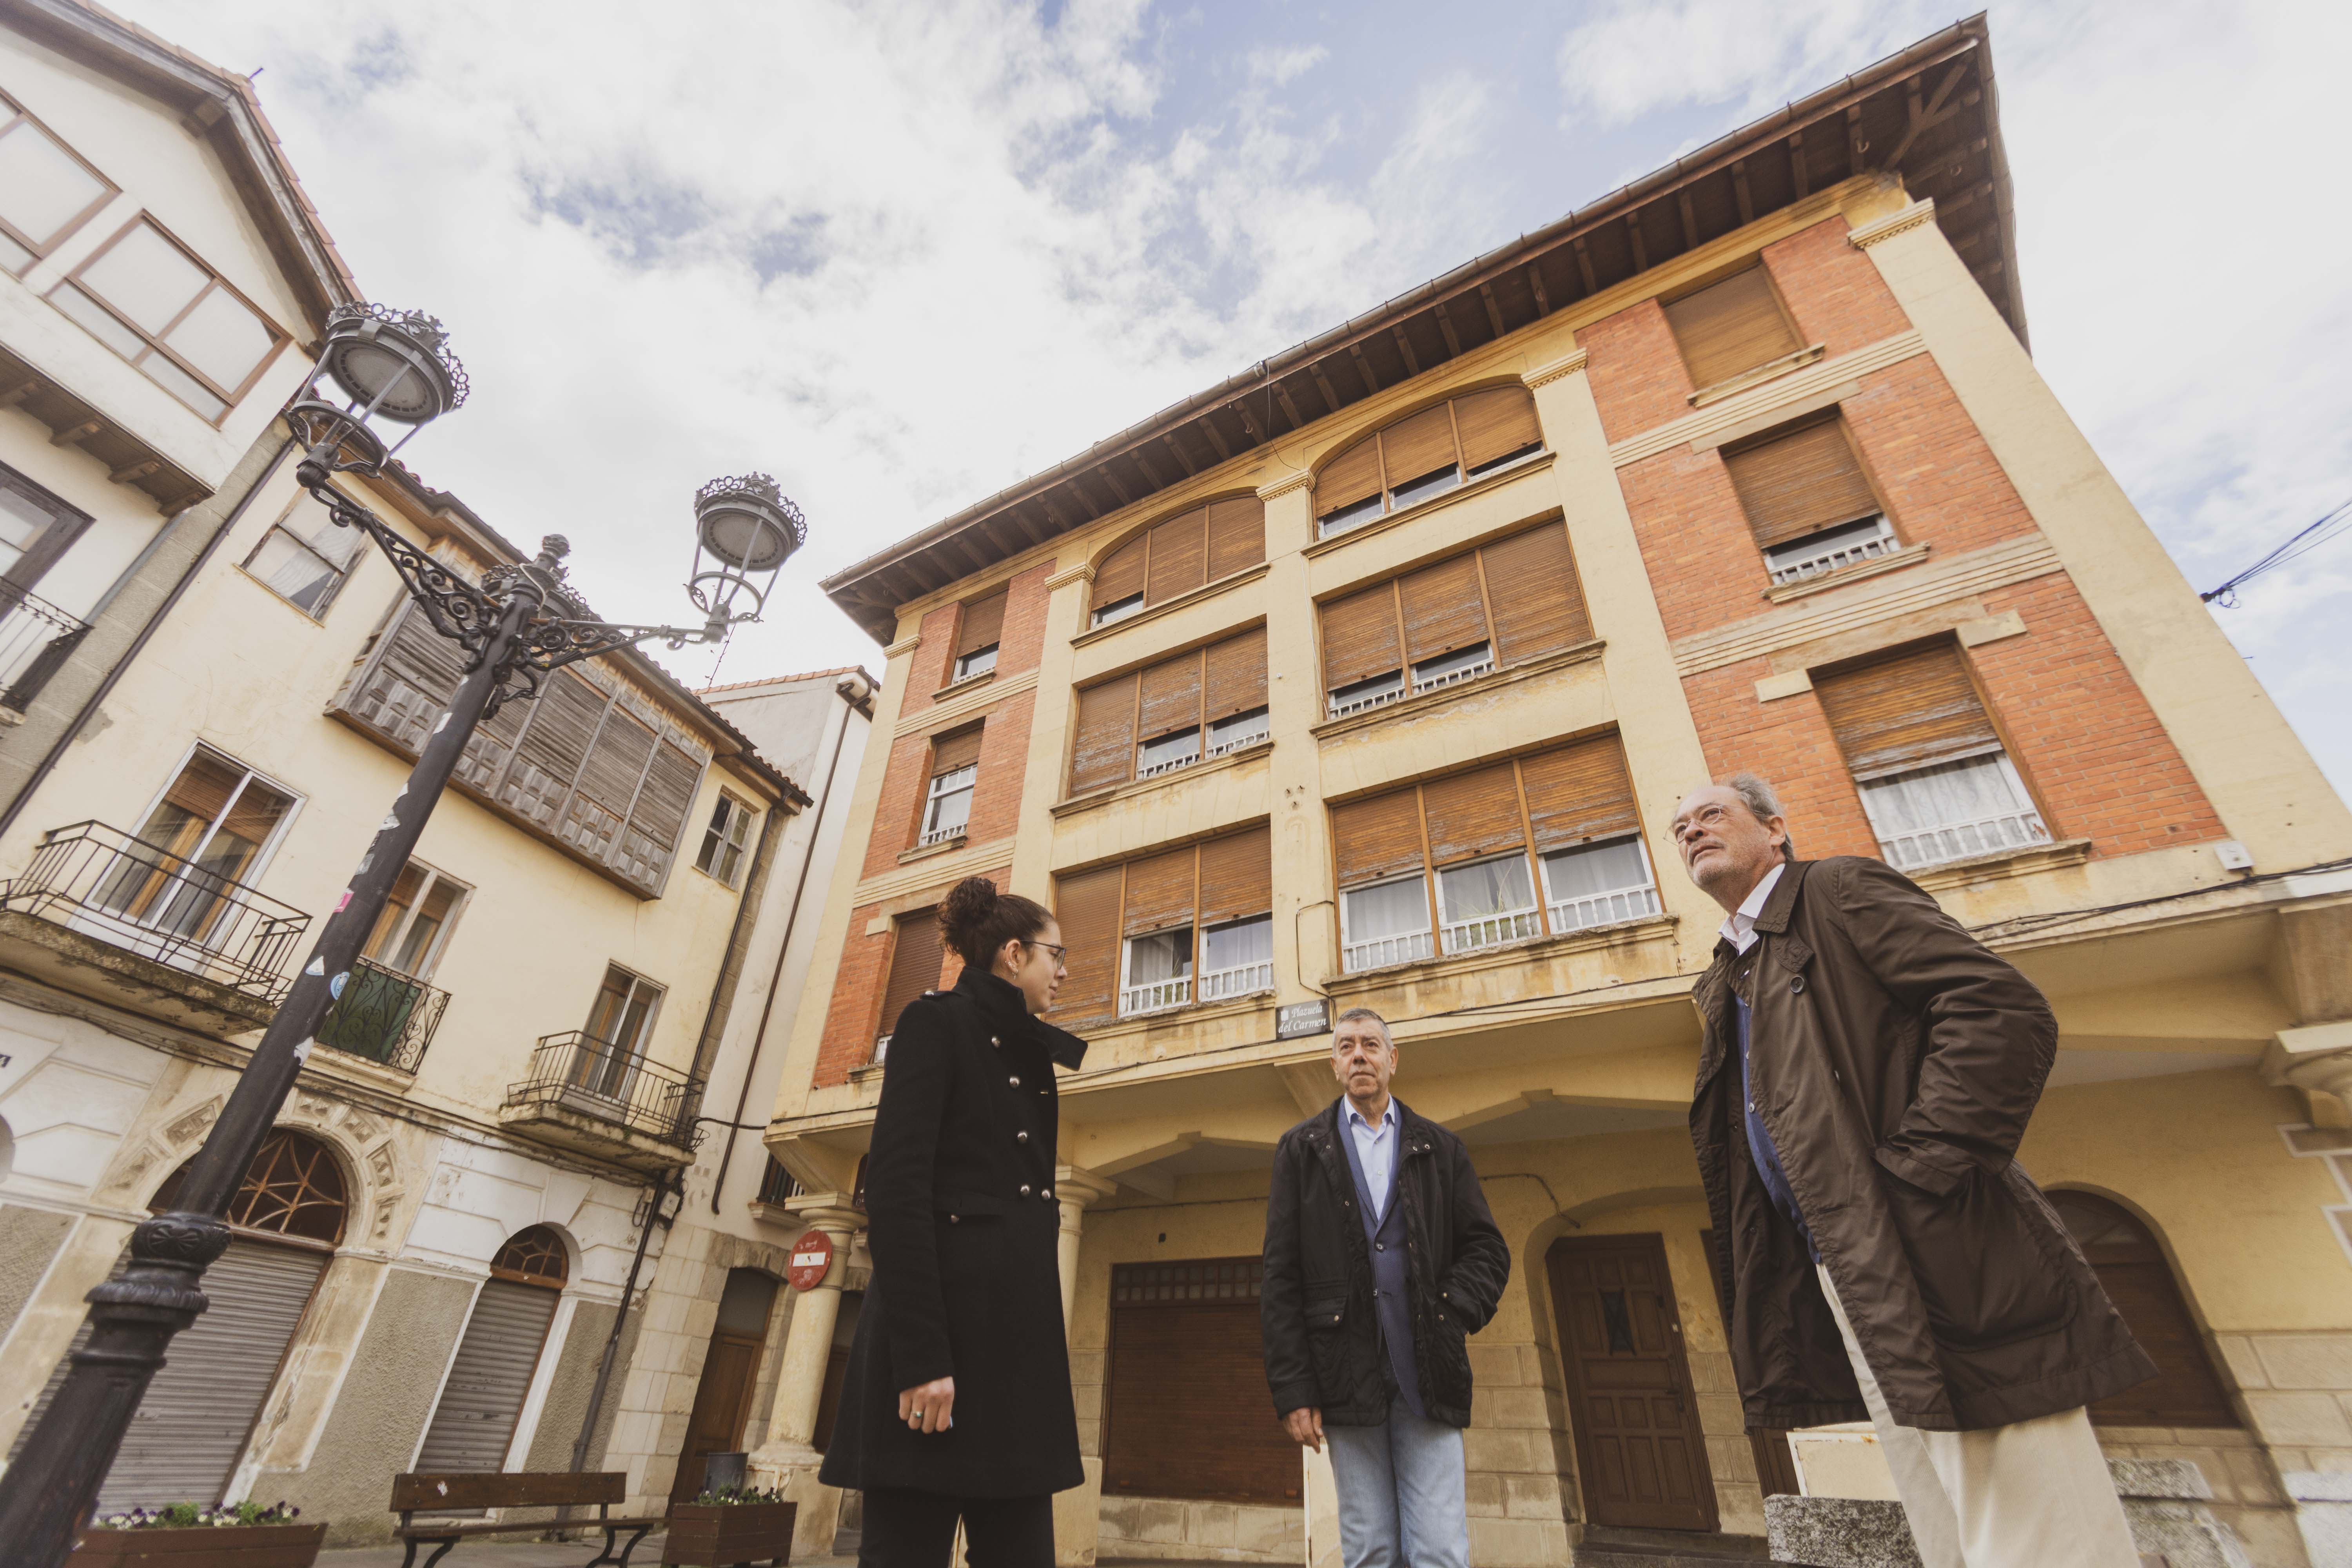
(904, 254)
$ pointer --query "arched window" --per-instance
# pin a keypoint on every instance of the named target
(1424, 455)
(1175, 557)
(490, 1377)
(2187, 1391)
(287, 1216)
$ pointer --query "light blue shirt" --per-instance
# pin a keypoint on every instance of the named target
(1376, 1150)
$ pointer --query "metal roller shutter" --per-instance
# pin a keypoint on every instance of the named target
(190, 1430)
(482, 1399)
(1185, 1412)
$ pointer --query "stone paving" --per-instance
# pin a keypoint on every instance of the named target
(526, 1554)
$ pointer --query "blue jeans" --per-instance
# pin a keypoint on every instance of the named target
(1400, 1485)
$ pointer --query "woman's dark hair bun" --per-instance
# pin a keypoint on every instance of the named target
(977, 920)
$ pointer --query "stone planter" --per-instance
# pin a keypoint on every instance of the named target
(202, 1546)
(723, 1536)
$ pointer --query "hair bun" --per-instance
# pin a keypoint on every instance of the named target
(977, 920)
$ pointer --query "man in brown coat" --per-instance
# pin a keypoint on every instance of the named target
(1867, 1071)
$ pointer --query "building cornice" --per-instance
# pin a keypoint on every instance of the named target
(1903, 220)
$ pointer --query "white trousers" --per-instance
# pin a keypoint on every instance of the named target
(2035, 1494)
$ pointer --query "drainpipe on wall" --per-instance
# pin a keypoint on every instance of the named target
(105, 688)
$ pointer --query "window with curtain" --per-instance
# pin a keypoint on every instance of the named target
(1731, 327)
(919, 950)
(1807, 501)
(46, 191)
(1202, 546)
(1537, 846)
(1499, 605)
(1425, 454)
(978, 634)
(1934, 780)
(1190, 925)
(1170, 715)
(305, 558)
(725, 840)
(947, 800)
(206, 836)
(149, 298)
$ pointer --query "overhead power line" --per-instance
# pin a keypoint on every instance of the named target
(2310, 539)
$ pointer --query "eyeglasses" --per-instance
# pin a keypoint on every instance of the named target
(1060, 954)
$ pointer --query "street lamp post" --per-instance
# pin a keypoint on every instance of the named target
(521, 622)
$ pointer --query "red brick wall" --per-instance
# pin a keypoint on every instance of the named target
(1832, 290)
(2088, 745)
(1023, 638)
(852, 1018)
(905, 780)
(1003, 759)
(927, 671)
(1637, 374)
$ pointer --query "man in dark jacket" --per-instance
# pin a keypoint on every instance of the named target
(1866, 1073)
(1379, 1258)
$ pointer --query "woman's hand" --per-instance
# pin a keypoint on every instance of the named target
(930, 1406)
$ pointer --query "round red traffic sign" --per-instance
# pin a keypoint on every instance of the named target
(812, 1261)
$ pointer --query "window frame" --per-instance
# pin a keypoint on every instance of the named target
(1385, 501)
(250, 775)
(1772, 292)
(1648, 886)
(1882, 542)
(1262, 717)
(1427, 933)
(736, 838)
(934, 795)
(279, 336)
(342, 574)
(966, 668)
(431, 958)
(2027, 808)
(68, 522)
(1117, 610)
(1512, 917)
(12, 114)
(1173, 763)
(1188, 980)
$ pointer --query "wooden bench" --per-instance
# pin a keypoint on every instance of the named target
(416, 1494)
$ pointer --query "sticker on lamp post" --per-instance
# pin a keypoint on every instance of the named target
(812, 1261)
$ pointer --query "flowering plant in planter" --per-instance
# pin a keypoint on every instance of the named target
(731, 1525)
(189, 1535)
(188, 1516)
(737, 1496)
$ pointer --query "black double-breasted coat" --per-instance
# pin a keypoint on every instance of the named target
(965, 1232)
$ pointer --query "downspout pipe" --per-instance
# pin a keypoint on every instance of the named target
(854, 694)
(105, 688)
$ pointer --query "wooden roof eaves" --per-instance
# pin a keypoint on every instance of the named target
(1628, 202)
(222, 107)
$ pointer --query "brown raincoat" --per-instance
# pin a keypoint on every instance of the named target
(1895, 1061)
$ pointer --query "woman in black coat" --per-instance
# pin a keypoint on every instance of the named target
(958, 1404)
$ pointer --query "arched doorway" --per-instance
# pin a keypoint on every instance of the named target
(2187, 1391)
(482, 1398)
(191, 1428)
(730, 1367)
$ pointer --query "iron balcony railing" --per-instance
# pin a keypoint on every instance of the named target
(103, 883)
(35, 639)
(385, 1017)
(579, 1072)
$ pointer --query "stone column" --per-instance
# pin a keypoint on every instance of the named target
(1075, 1189)
(1305, 920)
(786, 1461)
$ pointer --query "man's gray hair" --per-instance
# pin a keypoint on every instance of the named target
(1763, 803)
(1351, 1014)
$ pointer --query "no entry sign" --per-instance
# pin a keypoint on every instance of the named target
(812, 1260)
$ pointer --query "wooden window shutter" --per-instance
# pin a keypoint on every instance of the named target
(410, 684)
(651, 836)
(1910, 711)
(1377, 838)
(1236, 677)
(1185, 1399)
(1799, 484)
(1539, 604)
(1471, 815)
(1349, 477)
(1179, 557)
(1120, 575)
(1579, 793)
(1087, 909)
(1418, 445)
(1444, 609)
(918, 952)
(1495, 423)
(983, 624)
(203, 786)
(955, 751)
(1729, 327)
(1236, 876)
(1104, 753)
(1159, 892)
(563, 719)
(1171, 698)
(1237, 535)
(1360, 637)
(608, 781)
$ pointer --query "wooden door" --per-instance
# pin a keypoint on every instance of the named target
(721, 1402)
(1638, 1445)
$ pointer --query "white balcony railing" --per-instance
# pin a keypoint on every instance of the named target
(1605, 909)
(1153, 770)
(1840, 547)
(1958, 840)
(1359, 704)
(1154, 997)
(1217, 984)
(1241, 742)
(1492, 930)
(1383, 951)
(941, 834)
(1451, 677)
